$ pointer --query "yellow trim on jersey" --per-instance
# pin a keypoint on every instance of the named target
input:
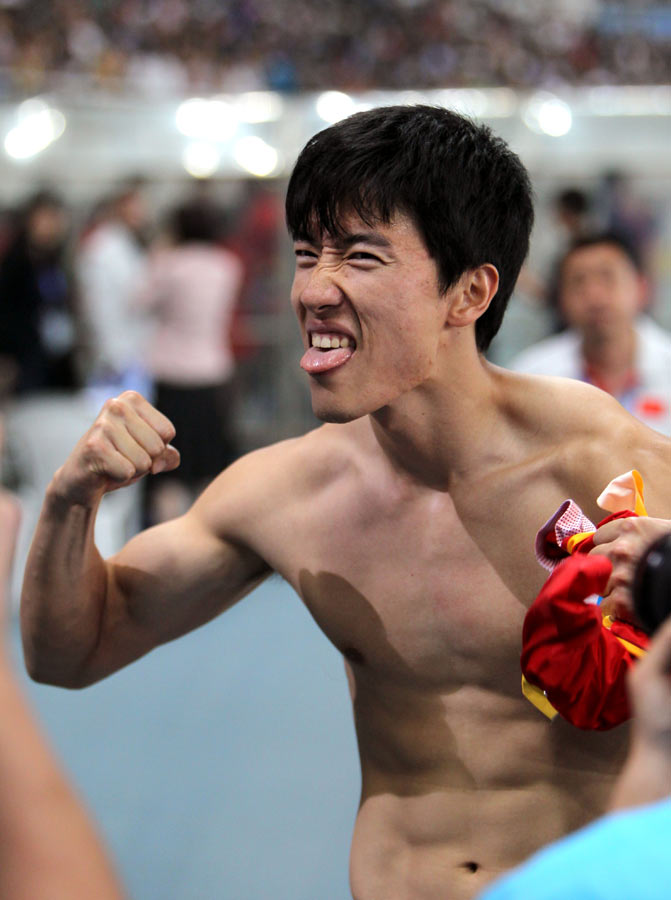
(536, 696)
(576, 539)
(634, 649)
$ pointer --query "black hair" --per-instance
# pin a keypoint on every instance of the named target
(612, 238)
(195, 221)
(465, 191)
(129, 186)
(572, 200)
(42, 198)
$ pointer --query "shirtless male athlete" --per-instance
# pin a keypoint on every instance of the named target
(406, 524)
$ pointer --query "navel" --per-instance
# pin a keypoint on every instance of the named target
(471, 866)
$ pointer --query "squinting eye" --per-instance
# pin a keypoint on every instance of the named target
(360, 254)
(305, 255)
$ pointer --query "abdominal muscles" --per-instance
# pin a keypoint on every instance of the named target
(451, 801)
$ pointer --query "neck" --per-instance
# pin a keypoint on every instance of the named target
(444, 428)
(611, 357)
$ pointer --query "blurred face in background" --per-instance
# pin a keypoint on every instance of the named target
(47, 226)
(132, 210)
(601, 290)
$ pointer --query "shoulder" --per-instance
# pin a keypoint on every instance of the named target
(282, 477)
(106, 235)
(586, 437)
(653, 337)
(109, 244)
(605, 441)
(555, 355)
(230, 257)
(555, 402)
(211, 260)
(652, 330)
(230, 264)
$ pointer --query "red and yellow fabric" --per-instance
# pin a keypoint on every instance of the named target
(574, 660)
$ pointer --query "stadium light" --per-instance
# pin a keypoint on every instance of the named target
(332, 106)
(201, 159)
(38, 126)
(547, 114)
(256, 156)
(206, 120)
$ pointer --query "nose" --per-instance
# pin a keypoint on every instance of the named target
(317, 290)
(595, 293)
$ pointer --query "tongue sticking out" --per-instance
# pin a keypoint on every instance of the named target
(316, 360)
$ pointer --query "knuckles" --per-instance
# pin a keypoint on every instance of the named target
(114, 406)
(130, 402)
(132, 397)
(624, 549)
(630, 526)
(121, 405)
(95, 443)
(128, 398)
(100, 451)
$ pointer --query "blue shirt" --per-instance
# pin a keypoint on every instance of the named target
(622, 856)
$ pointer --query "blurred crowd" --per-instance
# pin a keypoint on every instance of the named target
(173, 47)
(125, 296)
(82, 292)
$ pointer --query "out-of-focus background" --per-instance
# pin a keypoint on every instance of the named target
(145, 150)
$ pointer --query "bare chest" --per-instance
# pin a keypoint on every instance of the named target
(419, 592)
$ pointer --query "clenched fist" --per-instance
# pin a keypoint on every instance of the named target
(129, 439)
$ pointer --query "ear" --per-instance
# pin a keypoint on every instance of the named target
(472, 295)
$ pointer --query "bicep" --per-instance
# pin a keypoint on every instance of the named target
(165, 582)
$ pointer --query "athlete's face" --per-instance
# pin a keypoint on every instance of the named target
(373, 295)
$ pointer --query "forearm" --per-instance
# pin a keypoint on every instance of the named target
(64, 591)
(49, 848)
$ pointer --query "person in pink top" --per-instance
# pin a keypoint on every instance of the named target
(190, 291)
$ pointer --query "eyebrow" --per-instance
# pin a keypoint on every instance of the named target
(365, 237)
(373, 238)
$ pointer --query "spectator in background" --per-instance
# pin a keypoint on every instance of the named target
(602, 292)
(38, 321)
(166, 44)
(48, 846)
(191, 291)
(110, 265)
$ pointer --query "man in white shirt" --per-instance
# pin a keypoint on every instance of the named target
(609, 343)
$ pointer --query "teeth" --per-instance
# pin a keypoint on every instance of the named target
(329, 342)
